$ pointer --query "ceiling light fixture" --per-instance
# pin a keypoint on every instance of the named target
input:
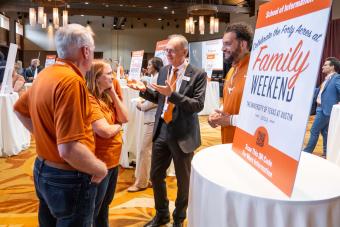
(202, 10)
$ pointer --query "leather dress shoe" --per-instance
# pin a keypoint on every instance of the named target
(158, 221)
(177, 224)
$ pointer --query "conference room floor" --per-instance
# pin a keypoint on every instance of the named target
(19, 205)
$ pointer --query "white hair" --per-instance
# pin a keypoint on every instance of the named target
(181, 39)
(70, 38)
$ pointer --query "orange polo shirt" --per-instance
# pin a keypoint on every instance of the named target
(59, 108)
(232, 94)
(107, 150)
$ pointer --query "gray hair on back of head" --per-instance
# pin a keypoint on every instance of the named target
(70, 38)
(182, 40)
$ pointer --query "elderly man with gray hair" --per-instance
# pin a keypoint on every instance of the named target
(57, 111)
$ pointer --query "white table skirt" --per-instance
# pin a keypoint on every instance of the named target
(133, 136)
(133, 133)
(212, 98)
(225, 191)
(14, 137)
(333, 139)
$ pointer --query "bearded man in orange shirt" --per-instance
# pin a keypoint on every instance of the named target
(236, 47)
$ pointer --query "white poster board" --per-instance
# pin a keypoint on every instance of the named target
(160, 51)
(281, 77)
(212, 56)
(6, 86)
(50, 60)
(136, 65)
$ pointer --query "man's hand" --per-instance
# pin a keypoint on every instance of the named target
(224, 119)
(100, 174)
(136, 85)
(164, 90)
(212, 119)
(219, 118)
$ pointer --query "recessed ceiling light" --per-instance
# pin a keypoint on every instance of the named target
(150, 6)
(121, 5)
(106, 6)
(165, 7)
(82, 15)
(159, 19)
(173, 12)
(86, 3)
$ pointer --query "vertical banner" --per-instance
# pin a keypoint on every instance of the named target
(6, 86)
(160, 51)
(50, 60)
(213, 56)
(136, 65)
(281, 77)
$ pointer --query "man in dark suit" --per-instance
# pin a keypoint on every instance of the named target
(30, 71)
(180, 96)
(328, 95)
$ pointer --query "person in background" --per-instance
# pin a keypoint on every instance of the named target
(237, 41)
(329, 95)
(18, 82)
(143, 162)
(118, 69)
(34, 68)
(179, 93)
(19, 69)
(108, 114)
(57, 110)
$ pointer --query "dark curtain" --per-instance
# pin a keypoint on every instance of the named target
(332, 45)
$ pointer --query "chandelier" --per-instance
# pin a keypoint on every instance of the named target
(42, 17)
(202, 10)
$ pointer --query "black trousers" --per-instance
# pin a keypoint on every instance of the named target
(165, 149)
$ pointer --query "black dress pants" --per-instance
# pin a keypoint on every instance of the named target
(164, 149)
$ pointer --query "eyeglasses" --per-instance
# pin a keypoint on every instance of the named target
(170, 51)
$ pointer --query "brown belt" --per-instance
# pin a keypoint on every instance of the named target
(63, 166)
(318, 105)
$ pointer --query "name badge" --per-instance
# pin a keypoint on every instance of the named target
(186, 78)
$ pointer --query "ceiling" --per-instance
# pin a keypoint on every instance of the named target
(153, 9)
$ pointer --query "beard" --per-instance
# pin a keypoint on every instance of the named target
(234, 55)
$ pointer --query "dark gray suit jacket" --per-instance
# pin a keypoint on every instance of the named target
(189, 100)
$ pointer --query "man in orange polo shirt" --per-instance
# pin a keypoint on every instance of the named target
(237, 42)
(58, 112)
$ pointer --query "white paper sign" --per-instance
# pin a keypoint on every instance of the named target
(6, 86)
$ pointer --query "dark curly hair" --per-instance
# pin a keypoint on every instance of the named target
(243, 32)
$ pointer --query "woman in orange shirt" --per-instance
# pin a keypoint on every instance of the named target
(108, 113)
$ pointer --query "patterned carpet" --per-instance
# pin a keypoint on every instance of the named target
(18, 202)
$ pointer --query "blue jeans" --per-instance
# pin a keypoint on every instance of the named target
(66, 198)
(320, 125)
(106, 191)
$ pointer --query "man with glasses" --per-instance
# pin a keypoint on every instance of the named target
(237, 42)
(57, 111)
(179, 93)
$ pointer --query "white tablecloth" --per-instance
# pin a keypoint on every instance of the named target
(212, 98)
(225, 191)
(133, 136)
(133, 132)
(333, 139)
(14, 137)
